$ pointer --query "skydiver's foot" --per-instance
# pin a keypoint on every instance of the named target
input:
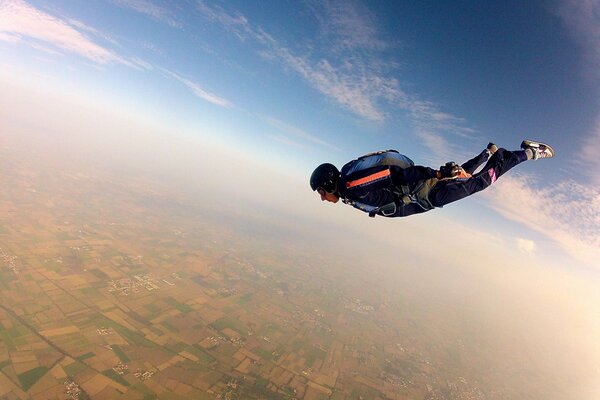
(491, 148)
(537, 150)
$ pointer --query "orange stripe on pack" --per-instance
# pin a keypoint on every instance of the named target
(368, 179)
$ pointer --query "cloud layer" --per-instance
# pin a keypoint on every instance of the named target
(199, 91)
(346, 65)
(567, 212)
(19, 20)
(298, 133)
(582, 20)
(151, 10)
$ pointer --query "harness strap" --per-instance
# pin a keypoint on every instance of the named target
(368, 179)
(404, 196)
(422, 194)
(386, 209)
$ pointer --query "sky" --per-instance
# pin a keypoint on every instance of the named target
(300, 83)
(248, 98)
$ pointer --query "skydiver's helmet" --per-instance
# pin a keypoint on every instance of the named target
(325, 177)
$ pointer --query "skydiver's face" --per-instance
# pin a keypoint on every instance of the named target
(326, 196)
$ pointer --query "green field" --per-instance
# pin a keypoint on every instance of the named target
(29, 378)
(75, 368)
(115, 377)
(86, 356)
(120, 353)
(184, 308)
(244, 299)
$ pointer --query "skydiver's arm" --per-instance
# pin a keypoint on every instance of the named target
(403, 176)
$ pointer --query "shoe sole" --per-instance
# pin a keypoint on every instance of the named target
(533, 144)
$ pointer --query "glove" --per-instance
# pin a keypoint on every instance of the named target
(450, 170)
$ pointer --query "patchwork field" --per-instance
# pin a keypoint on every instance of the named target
(114, 287)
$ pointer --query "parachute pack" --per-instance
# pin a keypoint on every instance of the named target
(373, 172)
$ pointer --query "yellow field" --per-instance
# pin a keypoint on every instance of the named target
(59, 331)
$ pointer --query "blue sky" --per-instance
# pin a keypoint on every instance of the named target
(300, 83)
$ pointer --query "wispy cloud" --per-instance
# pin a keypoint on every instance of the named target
(84, 27)
(44, 49)
(151, 10)
(440, 148)
(234, 23)
(298, 133)
(582, 20)
(23, 23)
(588, 155)
(349, 25)
(435, 128)
(357, 77)
(10, 38)
(288, 142)
(567, 213)
(198, 90)
(351, 85)
(526, 246)
(358, 94)
(19, 19)
(427, 116)
(152, 48)
(141, 64)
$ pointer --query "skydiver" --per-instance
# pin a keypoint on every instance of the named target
(388, 183)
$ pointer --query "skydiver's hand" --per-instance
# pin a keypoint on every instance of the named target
(450, 170)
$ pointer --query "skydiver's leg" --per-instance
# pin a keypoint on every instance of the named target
(448, 191)
(474, 163)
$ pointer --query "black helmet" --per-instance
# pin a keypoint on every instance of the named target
(325, 176)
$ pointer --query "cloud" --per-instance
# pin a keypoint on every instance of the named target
(427, 116)
(358, 82)
(435, 127)
(566, 212)
(526, 246)
(20, 19)
(236, 24)
(582, 20)
(298, 133)
(81, 26)
(151, 10)
(358, 77)
(288, 142)
(141, 63)
(351, 84)
(358, 91)
(10, 38)
(588, 155)
(350, 25)
(198, 91)
(152, 48)
(440, 149)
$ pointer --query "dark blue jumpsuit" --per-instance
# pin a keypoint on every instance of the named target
(444, 191)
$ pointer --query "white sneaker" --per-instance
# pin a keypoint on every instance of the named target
(539, 149)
